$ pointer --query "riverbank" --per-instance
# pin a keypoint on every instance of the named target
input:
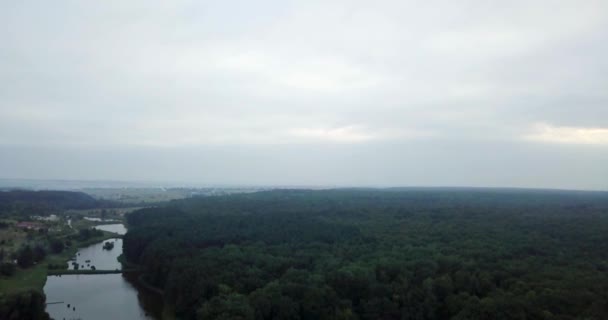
(167, 311)
(64, 272)
(123, 296)
(140, 279)
(34, 278)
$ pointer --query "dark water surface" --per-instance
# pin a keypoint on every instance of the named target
(98, 257)
(101, 296)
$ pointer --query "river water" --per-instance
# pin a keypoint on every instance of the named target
(100, 296)
(95, 255)
(95, 219)
(117, 228)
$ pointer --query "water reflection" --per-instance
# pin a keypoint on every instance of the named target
(95, 255)
(99, 219)
(99, 297)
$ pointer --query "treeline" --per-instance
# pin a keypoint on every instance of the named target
(378, 254)
(46, 202)
(23, 305)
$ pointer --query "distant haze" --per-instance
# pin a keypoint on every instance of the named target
(336, 93)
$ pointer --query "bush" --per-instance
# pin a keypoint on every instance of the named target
(25, 257)
(23, 305)
(56, 246)
(39, 253)
(7, 269)
(52, 266)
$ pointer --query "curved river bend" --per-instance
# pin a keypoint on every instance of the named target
(117, 228)
(100, 296)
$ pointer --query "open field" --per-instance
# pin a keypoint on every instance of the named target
(23, 280)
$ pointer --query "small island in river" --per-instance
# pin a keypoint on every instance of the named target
(108, 245)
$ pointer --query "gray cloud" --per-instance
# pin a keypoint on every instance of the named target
(239, 84)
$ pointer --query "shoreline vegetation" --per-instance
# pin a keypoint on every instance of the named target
(22, 295)
(34, 278)
(81, 271)
(41, 232)
(168, 312)
(142, 281)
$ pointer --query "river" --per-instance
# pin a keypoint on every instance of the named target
(100, 296)
(117, 228)
(95, 255)
(95, 219)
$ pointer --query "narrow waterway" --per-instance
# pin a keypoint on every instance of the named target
(96, 256)
(100, 296)
(117, 228)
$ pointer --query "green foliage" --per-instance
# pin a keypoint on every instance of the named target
(7, 269)
(39, 253)
(25, 257)
(23, 305)
(45, 202)
(370, 254)
(56, 245)
(231, 306)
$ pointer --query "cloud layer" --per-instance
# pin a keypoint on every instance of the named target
(233, 74)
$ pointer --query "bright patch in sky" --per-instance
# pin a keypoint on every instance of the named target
(342, 134)
(575, 135)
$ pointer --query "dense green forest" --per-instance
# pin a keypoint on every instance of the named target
(15, 202)
(378, 254)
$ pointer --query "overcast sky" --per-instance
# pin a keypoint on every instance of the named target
(366, 93)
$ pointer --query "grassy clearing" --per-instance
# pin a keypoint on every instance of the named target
(32, 278)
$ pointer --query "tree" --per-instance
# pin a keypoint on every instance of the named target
(28, 304)
(56, 245)
(39, 253)
(7, 269)
(231, 306)
(25, 257)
